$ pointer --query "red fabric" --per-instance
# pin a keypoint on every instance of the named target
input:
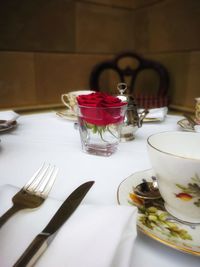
(151, 101)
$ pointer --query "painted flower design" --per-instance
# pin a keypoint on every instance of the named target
(184, 196)
(191, 191)
(154, 216)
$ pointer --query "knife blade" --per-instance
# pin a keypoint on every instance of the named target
(42, 240)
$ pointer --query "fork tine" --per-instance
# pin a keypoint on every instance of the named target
(41, 180)
(40, 186)
(48, 183)
(36, 178)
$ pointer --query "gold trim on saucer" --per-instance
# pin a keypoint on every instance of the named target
(196, 253)
(152, 120)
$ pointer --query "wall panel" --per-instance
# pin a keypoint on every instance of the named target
(171, 25)
(47, 25)
(123, 3)
(61, 40)
(102, 29)
(17, 80)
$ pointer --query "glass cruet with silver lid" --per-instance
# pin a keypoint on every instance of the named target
(133, 120)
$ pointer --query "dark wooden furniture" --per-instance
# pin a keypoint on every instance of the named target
(148, 99)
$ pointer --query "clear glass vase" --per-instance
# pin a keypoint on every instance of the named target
(100, 128)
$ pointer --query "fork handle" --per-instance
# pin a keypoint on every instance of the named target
(8, 214)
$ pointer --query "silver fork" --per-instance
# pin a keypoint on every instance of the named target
(34, 192)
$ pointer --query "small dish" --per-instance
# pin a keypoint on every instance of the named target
(155, 114)
(154, 221)
(185, 125)
(152, 120)
(67, 114)
(10, 126)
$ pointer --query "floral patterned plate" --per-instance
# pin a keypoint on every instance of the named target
(154, 221)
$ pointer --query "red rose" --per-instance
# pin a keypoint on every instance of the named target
(101, 109)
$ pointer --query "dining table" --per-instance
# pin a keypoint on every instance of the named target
(46, 137)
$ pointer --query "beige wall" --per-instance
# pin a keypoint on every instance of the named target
(30, 79)
(49, 47)
(170, 34)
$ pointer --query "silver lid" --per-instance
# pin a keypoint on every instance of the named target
(122, 87)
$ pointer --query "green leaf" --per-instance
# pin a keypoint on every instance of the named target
(197, 203)
(162, 216)
(152, 209)
(153, 218)
(94, 129)
(89, 125)
(181, 187)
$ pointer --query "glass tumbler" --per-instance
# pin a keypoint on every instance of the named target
(100, 128)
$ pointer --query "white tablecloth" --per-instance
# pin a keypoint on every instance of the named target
(46, 137)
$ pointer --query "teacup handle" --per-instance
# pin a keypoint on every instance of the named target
(65, 100)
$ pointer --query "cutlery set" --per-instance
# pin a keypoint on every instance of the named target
(31, 196)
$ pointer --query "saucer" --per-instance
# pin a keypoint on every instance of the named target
(185, 125)
(152, 119)
(9, 127)
(67, 114)
(155, 114)
(154, 221)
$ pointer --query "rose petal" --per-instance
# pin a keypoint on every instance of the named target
(100, 109)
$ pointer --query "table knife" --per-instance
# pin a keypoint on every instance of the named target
(43, 239)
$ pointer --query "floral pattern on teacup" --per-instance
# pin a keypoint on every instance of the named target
(191, 191)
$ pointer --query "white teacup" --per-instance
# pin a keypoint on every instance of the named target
(175, 157)
(69, 99)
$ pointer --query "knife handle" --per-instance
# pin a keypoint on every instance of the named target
(33, 251)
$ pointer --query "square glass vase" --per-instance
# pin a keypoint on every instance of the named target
(100, 129)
